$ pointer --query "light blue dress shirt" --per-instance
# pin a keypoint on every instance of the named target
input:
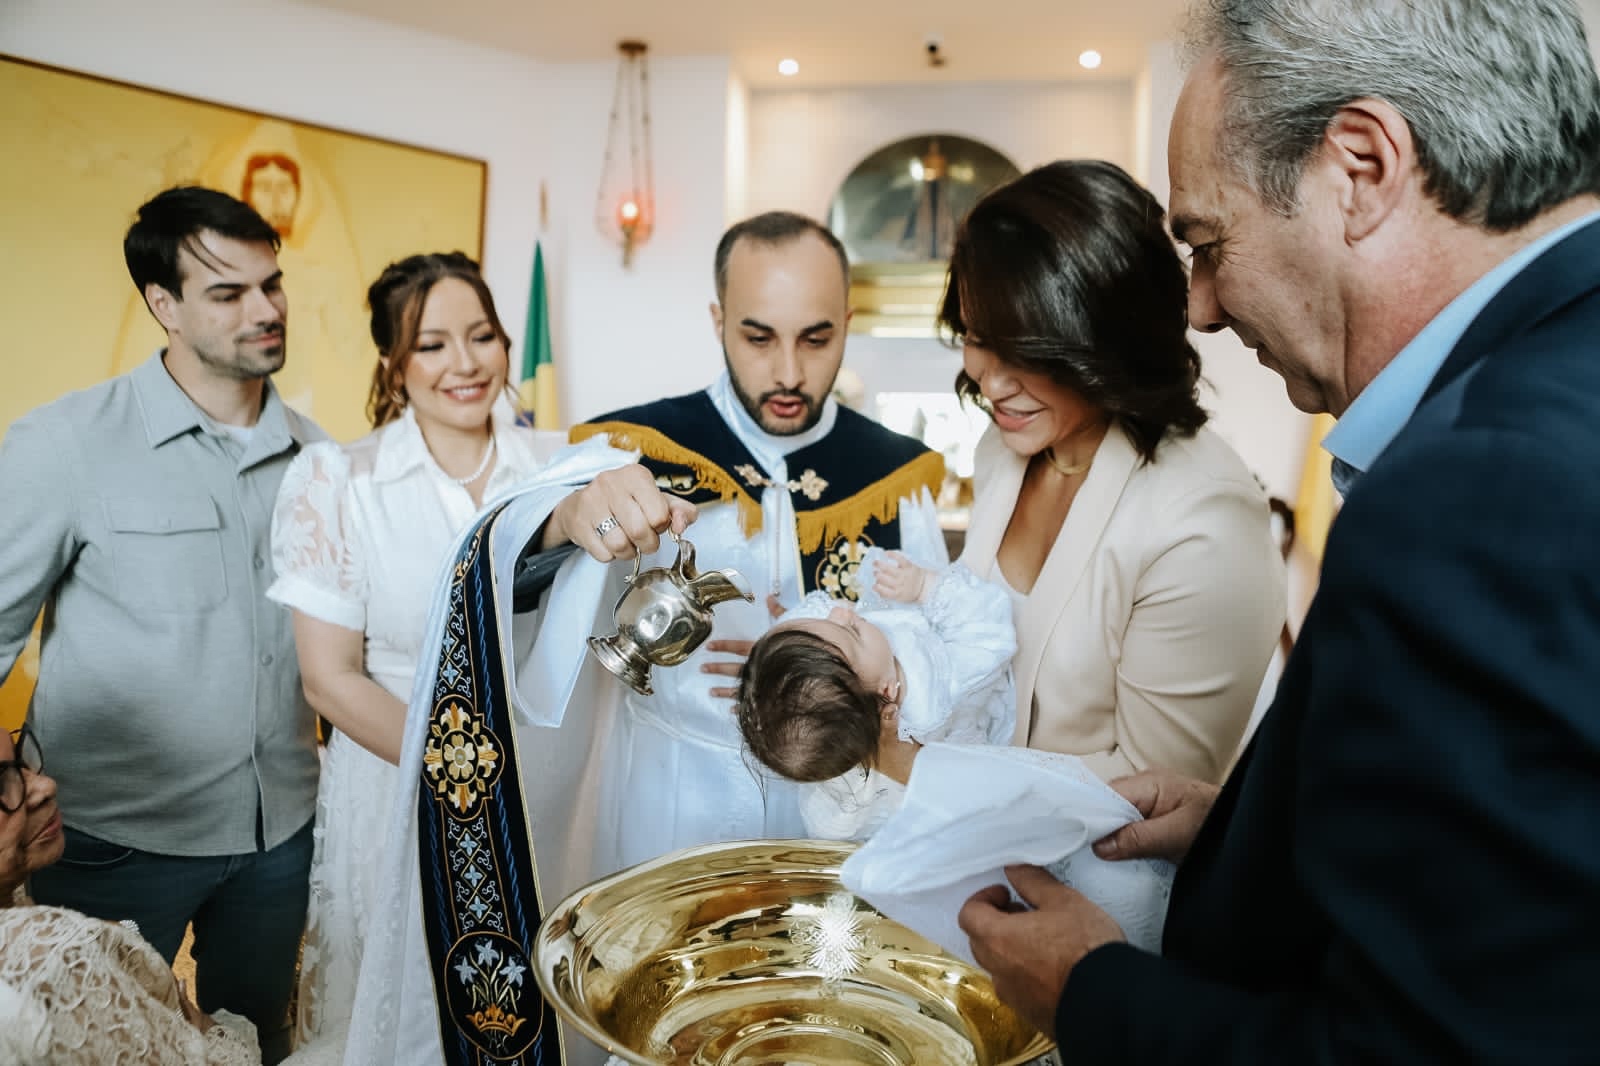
(1385, 406)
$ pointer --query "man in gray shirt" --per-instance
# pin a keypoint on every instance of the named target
(136, 514)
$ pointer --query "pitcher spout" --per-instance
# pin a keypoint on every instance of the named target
(719, 586)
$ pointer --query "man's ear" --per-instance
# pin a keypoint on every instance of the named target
(716, 319)
(163, 304)
(1369, 146)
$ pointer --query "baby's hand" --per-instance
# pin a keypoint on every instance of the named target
(898, 578)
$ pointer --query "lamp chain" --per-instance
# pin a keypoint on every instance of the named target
(632, 217)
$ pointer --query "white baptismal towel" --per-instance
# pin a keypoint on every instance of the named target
(972, 810)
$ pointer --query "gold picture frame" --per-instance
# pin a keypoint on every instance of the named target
(85, 151)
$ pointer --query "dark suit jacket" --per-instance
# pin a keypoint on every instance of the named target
(1406, 866)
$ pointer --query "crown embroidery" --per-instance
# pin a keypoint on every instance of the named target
(495, 1020)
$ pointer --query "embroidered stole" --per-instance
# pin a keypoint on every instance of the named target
(846, 488)
(480, 892)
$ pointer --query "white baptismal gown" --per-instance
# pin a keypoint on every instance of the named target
(359, 535)
(955, 650)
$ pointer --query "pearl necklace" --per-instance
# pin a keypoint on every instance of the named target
(1063, 469)
(488, 453)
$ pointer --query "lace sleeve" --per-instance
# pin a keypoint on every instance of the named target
(973, 619)
(315, 553)
(110, 998)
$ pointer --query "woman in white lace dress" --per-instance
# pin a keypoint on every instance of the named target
(75, 990)
(359, 534)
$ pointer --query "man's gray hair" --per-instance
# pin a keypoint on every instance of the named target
(1501, 95)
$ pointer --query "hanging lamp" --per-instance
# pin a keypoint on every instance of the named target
(625, 207)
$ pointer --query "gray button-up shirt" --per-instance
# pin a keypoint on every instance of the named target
(168, 703)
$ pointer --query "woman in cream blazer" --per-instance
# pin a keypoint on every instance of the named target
(1143, 640)
(1138, 549)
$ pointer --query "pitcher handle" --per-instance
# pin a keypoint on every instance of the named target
(638, 557)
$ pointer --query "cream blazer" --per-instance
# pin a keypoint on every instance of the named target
(1145, 638)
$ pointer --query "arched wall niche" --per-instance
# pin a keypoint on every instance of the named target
(897, 212)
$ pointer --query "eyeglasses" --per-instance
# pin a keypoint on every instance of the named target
(13, 787)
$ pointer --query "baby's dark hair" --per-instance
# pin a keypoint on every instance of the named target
(802, 709)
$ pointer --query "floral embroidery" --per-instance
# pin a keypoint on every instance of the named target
(461, 759)
(810, 484)
(680, 484)
(486, 996)
(839, 572)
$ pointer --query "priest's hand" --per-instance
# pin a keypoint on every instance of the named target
(740, 649)
(1174, 808)
(618, 515)
(1030, 953)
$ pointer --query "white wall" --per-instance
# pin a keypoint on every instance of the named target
(738, 161)
(804, 143)
(531, 122)
(642, 333)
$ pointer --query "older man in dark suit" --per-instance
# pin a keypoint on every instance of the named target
(1395, 204)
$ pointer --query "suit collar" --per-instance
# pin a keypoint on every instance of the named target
(1568, 270)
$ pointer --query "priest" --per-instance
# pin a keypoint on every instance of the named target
(792, 488)
(536, 770)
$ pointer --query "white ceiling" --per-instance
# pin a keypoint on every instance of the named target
(837, 42)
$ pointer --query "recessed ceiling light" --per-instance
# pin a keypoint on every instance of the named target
(788, 67)
(1089, 60)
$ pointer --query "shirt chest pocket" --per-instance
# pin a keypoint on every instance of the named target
(167, 552)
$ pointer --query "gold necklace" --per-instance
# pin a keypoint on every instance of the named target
(1063, 469)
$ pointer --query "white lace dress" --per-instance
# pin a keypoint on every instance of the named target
(359, 534)
(78, 991)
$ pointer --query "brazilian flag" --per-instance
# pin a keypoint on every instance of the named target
(537, 393)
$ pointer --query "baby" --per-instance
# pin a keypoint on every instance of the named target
(842, 698)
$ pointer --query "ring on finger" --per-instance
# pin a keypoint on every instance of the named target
(606, 526)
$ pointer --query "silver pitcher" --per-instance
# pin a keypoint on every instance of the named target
(663, 616)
